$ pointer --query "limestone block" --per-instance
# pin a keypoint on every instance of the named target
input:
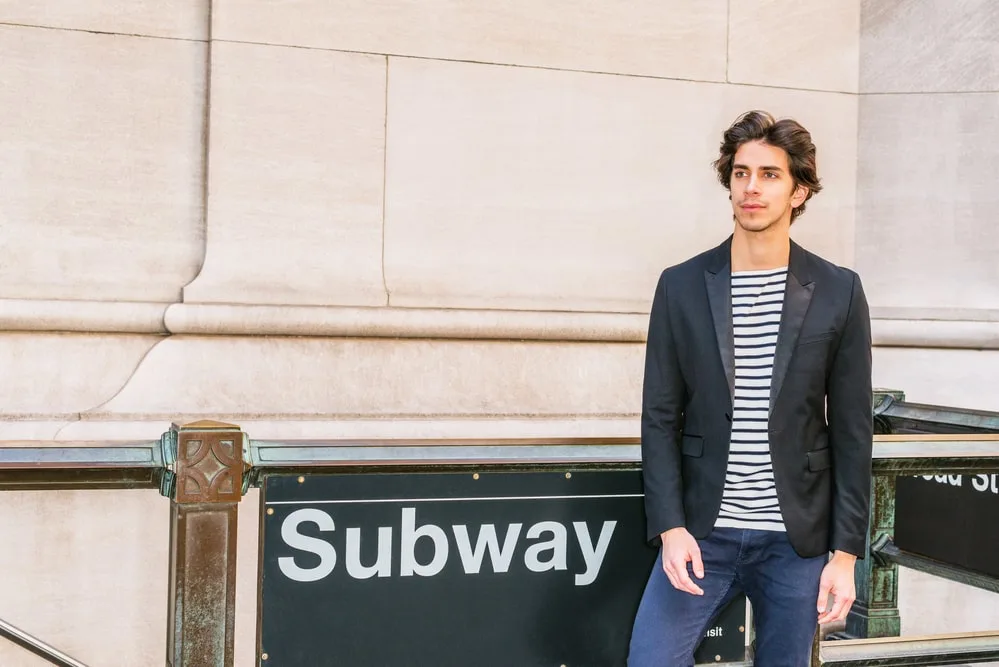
(182, 19)
(926, 235)
(391, 322)
(12, 654)
(667, 38)
(187, 377)
(87, 573)
(958, 378)
(930, 605)
(53, 374)
(810, 44)
(36, 428)
(929, 46)
(533, 189)
(102, 165)
(936, 332)
(81, 315)
(296, 173)
(247, 578)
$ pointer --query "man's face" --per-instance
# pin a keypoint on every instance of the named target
(763, 192)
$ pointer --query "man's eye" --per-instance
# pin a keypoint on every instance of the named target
(771, 174)
(739, 174)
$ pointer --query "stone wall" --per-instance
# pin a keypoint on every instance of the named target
(927, 244)
(440, 200)
(444, 219)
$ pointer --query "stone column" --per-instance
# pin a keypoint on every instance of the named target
(205, 487)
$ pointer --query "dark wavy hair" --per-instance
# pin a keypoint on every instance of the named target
(787, 134)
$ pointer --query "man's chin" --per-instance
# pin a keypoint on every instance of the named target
(754, 225)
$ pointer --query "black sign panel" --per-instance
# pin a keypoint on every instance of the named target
(951, 518)
(504, 569)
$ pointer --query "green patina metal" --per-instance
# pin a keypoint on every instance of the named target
(875, 613)
(884, 550)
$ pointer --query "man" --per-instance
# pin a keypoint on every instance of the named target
(756, 419)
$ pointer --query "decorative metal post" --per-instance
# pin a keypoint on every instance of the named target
(205, 485)
(875, 612)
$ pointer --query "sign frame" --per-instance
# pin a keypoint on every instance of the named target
(706, 653)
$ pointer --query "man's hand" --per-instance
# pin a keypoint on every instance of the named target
(679, 548)
(837, 579)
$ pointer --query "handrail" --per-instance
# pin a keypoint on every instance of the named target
(308, 453)
(971, 647)
(885, 551)
(64, 454)
(903, 417)
(61, 464)
(37, 646)
(899, 454)
(130, 464)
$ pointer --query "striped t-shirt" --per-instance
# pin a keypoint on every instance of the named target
(750, 497)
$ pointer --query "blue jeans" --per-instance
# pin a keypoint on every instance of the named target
(782, 587)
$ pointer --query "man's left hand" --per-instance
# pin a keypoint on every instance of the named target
(837, 579)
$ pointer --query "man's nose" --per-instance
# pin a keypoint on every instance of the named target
(753, 184)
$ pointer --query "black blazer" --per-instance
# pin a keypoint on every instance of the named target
(821, 423)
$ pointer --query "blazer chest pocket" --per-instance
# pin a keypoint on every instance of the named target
(816, 338)
(692, 445)
(819, 459)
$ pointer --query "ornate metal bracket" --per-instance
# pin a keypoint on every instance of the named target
(884, 399)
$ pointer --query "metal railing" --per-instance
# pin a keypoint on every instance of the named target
(37, 646)
(911, 450)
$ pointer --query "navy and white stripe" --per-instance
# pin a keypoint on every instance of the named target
(750, 497)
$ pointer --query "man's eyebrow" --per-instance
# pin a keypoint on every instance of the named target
(768, 167)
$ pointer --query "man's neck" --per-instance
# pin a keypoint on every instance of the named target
(760, 251)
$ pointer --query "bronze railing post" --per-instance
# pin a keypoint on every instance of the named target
(875, 612)
(205, 487)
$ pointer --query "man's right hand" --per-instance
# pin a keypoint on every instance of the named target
(680, 548)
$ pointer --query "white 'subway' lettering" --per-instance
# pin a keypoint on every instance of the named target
(547, 551)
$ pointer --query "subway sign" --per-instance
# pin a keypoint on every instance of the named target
(441, 569)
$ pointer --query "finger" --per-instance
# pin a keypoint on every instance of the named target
(671, 575)
(686, 584)
(846, 609)
(696, 563)
(825, 586)
(842, 609)
(828, 612)
(835, 613)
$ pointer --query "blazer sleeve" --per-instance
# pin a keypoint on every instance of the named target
(663, 398)
(851, 428)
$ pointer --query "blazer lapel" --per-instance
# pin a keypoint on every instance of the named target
(797, 297)
(718, 281)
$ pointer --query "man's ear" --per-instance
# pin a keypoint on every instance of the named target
(799, 196)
